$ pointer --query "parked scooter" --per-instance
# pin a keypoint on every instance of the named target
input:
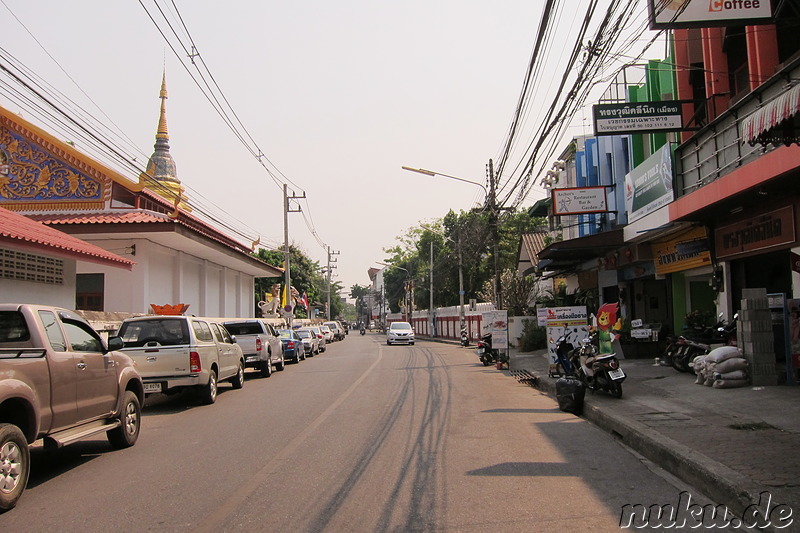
(464, 337)
(484, 350)
(597, 371)
(564, 350)
(363, 331)
(702, 341)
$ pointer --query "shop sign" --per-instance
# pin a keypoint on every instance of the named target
(637, 117)
(688, 250)
(497, 324)
(571, 319)
(649, 186)
(638, 271)
(666, 14)
(771, 229)
(579, 201)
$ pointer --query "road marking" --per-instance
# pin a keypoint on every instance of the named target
(214, 521)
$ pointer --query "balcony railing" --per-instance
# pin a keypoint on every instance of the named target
(719, 148)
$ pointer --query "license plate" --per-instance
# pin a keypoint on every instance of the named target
(152, 387)
(616, 374)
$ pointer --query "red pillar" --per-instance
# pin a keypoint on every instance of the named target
(762, 53)
(718, 87)
(682, 70)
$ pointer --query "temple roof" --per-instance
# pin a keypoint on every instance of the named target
(19, 229)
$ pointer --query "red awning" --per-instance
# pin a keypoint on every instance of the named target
(771, 114)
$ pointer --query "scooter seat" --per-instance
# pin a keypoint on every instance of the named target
(603, 357)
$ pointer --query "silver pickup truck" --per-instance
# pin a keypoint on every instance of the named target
(260, 343)
(175, 352)
(59, 382)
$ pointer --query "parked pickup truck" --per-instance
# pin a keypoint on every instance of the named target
(59, 382)
(260, 343)
(176, 352)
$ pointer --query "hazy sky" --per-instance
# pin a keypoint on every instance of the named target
(338, 96)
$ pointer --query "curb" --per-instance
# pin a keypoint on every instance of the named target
(716, 481)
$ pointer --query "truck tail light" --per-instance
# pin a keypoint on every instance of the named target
(258, 344)
(194, 362)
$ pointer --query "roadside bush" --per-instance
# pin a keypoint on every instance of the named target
(534, 337)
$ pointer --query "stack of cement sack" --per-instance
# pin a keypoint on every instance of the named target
(722, 368)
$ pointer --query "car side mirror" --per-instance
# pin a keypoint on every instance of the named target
(115, 343)
(233, 339)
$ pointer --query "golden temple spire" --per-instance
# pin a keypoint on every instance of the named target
(162, 132)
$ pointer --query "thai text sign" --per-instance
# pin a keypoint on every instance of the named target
(688, 250)
(649, 186)
(641, 117)
(579, 201)
(572, 320)
(706, 13)
(757, 233)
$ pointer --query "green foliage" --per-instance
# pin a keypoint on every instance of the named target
(305, 277)
(466, 234)
(534, 337)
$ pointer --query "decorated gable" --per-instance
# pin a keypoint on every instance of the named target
(38, 172)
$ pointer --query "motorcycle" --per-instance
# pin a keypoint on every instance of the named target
(564, 350)
(702, 341)
(597, 371)
(484, 350)
(464, 337)
(363, 331)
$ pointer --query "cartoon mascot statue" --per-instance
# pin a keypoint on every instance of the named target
(608, 326)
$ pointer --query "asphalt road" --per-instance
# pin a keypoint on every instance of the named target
(364, 437)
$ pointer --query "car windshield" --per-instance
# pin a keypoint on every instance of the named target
(400, 326)
(285, 334)
(303, 334)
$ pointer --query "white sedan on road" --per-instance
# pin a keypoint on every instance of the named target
(400, 333)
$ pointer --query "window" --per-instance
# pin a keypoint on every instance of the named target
(81, 340)
(22, 266)
(202, 331)
(13, 327)
(50, 324)
(89, 291)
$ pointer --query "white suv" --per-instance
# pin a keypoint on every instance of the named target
(399, 332)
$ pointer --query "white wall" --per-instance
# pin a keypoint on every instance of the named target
(29, 292)
(162, 275)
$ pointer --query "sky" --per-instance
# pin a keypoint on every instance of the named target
(338, 96)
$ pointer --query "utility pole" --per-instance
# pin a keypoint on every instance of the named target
(330, 260)
(287, 276)
(460, 282)
(491, 202)
(431, 318)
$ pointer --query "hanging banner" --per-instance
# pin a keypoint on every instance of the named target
(649, 186)
(688, 250)
(637, 117)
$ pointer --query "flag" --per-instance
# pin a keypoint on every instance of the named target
(304, 301)
(285, 297)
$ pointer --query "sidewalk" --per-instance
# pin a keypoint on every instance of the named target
(731, 444)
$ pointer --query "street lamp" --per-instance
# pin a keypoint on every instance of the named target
(409, 310)
(460, 274)
(432, 173)
(493, 210)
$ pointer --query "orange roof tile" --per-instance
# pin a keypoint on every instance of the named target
(19, 228)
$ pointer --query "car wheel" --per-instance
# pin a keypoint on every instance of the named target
(388, 343)
(130, 419)
(280, 365)
(411, 343)
(15, 465)
(208, 392)
(238, 379)
(266, 367)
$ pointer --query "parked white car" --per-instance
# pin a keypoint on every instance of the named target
(327, 333)
(400, 333)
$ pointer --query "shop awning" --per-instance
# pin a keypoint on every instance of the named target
(771, 114)
(565, 254)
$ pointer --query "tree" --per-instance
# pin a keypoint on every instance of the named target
(518, 292)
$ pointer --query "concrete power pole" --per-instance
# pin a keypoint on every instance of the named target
(287, 276)
(491, 202)
(331, 260)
